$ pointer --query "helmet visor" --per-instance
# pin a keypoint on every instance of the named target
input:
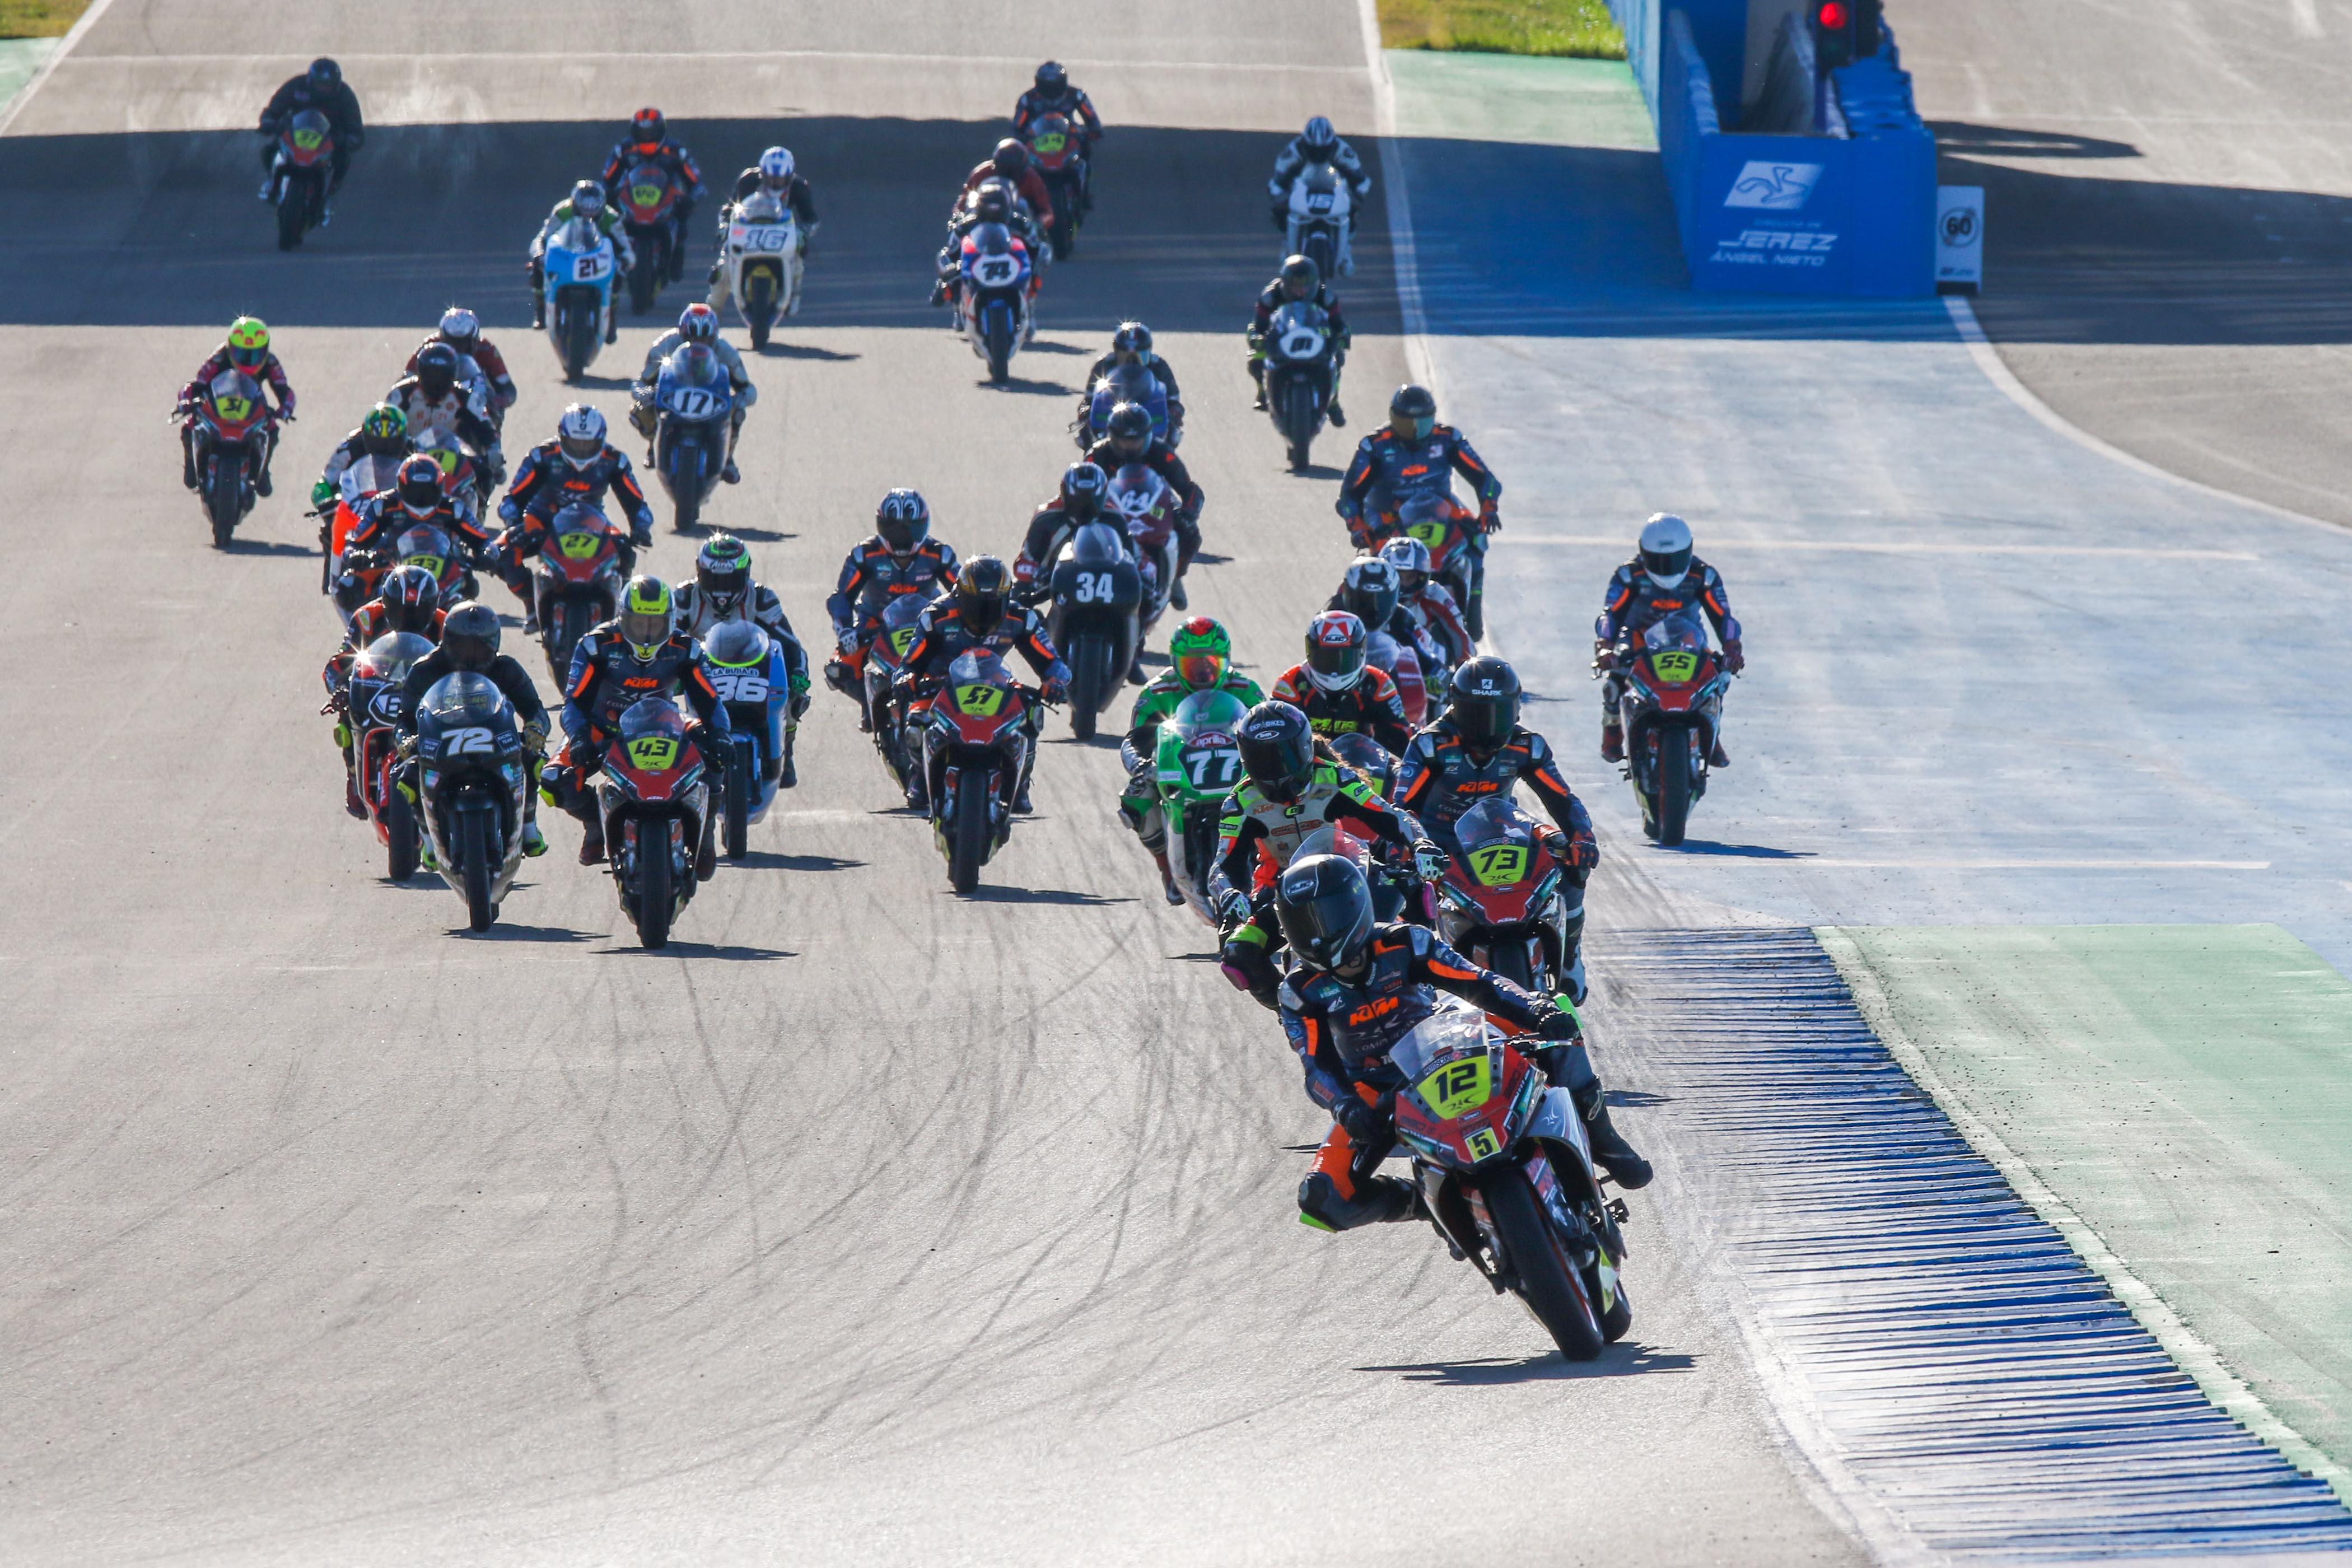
(1280, 763)
(1201, 670)
(1336, 666)
(580, 448)
(644, 630)
(1667, 565)
(1485, 721)
(900, 534)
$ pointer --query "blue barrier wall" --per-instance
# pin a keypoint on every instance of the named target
(1719, 27)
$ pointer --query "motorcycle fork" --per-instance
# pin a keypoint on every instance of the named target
(1459, 1212)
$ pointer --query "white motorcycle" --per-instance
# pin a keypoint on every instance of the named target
(762, 264)
(1322, 218)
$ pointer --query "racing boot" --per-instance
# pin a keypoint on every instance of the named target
(538, 312)
(592, 840)
(1716, 757)
(918, 792)
(1135, 675)
(730, 474)
(1381, 1200)
(1177, 598)
(1609, 1150)
(530, 623)
(353, 805)
(1612, 743)
(261, 481)
(612, 323)
(1020, 798)
(1167, 877)
(1339, 416)
(534, 842)
(791, 776)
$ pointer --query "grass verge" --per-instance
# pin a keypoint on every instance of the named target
(1577, 28)
(39, 18)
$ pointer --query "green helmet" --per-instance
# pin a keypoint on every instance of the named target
(1201, 652)
(384, 422)
(645, 617)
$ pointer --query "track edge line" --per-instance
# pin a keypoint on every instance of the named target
(65, 47)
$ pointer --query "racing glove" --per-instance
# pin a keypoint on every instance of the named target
(1054, 691)
(323, 493)
(1490, 521)
(1428, 860)
(1734, 660)
(534, 736)
(1561, 1025)
(846, 639)
(1367, 1124)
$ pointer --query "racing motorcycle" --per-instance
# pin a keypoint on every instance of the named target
(299, 174)
(1143, 498)
(645, 197)
(1457, 548)
(1126, 384)
(1507, 903)
(367, 475)
(471, 787)
(576, 582)
(1374, 762)
(886, 655)
(1401, 663)
(1301, 368)
(229, 423)
(975, 746)
(441, 553)
(1096, 592)
(993, 301)
(580, 262)
(1197, 762)
(1670, 702)
(1058, 151)
(1506, 1177)
(1322, 209)
(694, 400)
(763, 263)
(747, 669)
(371, 703)
(656, 798)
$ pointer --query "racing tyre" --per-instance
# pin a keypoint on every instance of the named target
(223, 497)
(645, 278)
(474, 856)
(656, 900)
(580, 345)
(758, 308)
(968, 844)
(1318, 251)
(1673, 784)
(1090, 673)
(1550, 1287)
(293, 211)
(1510, 960)
(1299, 421)
(737, 826)
(1619, 1315)
(400, 837)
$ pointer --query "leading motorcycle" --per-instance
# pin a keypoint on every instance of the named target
(654, 794)
(299, 174)
(1670, 703)
(470, 787)
(763, 261)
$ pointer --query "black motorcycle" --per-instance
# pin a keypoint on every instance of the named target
(470, 787)
(1097, 594)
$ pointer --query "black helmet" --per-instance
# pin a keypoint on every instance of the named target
(409, 596)
(1277, 747)
(1052, 78)
(1010, 158)
(1300, 277)
(1416, 408)
(1371, 590)
(1485, 703)
(437, 369)
(470, 636)
(983, 590)
(1326, 910)
(723, 570)
(904, 521)
(992, 202)
(1132, 338)
(1083, 487)
(418, 486)
(1128, 429)
(325, 73)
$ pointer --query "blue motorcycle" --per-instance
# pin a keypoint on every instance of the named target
(1126, 384)
(693, 403)
(579, 262)
(748, 667)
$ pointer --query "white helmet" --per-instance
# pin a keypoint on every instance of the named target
(776, 167)
(1666, 549)
(1320, 139)
(460, 329)
(580, 435)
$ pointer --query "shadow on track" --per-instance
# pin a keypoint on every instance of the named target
(986, 895)
(624, 949)
(505, 932)
(1622, 1360)
(763, 858)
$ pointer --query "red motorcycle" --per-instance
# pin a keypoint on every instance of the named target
(646, 197)
(1059, 152)
(1507, 903)
(1457, 548)
(577, 582)
(886, 655)
(1401, 663)
(658, 826)
(372, 703)
(1670, 702)
(441, 553)
(228, 427)
(976, 745)
(300, 175)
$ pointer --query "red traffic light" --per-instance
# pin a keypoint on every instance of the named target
(1834, 15)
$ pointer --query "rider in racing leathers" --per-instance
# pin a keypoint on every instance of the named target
(408, 599)
(900, 557)
(469, 642)
(1318, 143)
(980, 613)
(417, 497)
(1338, 688)
(1372, 592)
(1298, 279)
(697, 323)
(434, 399)
(994, 201)
(1359, 988)
(776, 174)
(1428, 601)
(1056, 523)
(575, 468)
(648, 140)
(637, 653)
(1128, 438)
(1664, 577)
(1132, 344)
(586, 201)
(476, 356)
(246, 351)
(322, 87)
(722, 591)
(1055, 94)
(1200, 659)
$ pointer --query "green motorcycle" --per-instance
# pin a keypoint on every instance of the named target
(1199, 763)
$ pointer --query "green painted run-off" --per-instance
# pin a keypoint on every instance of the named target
(1516, 97)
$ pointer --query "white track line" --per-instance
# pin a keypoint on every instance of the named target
(65, 47)
(1716, 545)
(751, 58)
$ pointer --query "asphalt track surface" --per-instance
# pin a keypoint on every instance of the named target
(867, 1223)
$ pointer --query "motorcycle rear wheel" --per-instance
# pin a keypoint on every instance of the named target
(968, 844)
(474, 856)
(655, 900)
(1551, 1287)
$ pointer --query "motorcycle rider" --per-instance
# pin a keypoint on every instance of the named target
(1372, 593)
(1127, 438)
(1338, 688)
(776, 174)
(408, 600)
(470, 643)
(586, 201)
(980, 613)
(417, 498)
(722, 591)
(1292, 785)
(1299, 278)
(1200, 659)
(434, 399)
(638, 653)
(697, 323)
(1011, 163)
(994, 201)
(1427, 600)
(383, 436)
(649, 140)
(1412, 454)
(573, 470)
(322, 87)
(899, 557)
(246, 351)
(1079, 501)
(1318, 143)
(1055, 94)
(1132, 344)
(477, 357)
(1359, 988)
(1663, 577)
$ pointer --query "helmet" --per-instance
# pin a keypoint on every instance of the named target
(1132, 341)
(1010, 158)
(982, 589)
(1337, 647)
(325, 73)
(1083, 486)
(992, 202)
(723, 570)
(1666, 549)
(588, 197)
(1277, 747)
(383, 431)
(248, 342)
(776, 168)
(580, 435)
(1129, 429)
(736, 645)
(1052, 78)
(1370, 590)
(1319, 141)
(1485, 703)
(1410, 556)
(418, 486)
(904, 521)
(461, 329)
(410, 594)
(437, 369)
(697, 323)
(1300, 277)
(648, 130)
(1413, 412)
(1326, 910)
(470, 636)
(1201, 652)
(645, 617)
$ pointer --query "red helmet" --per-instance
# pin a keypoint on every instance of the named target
(1337, 647)
(648, 130)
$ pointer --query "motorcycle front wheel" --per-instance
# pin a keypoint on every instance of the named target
(968, 844)
(473, 848)
(400, 837)
(224, 496)
(1673, 784)
(293, 210)
(1551, 1288)
(737, 828)
(655, 900)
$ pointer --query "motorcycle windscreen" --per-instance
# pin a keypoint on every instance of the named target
(1675, 646)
